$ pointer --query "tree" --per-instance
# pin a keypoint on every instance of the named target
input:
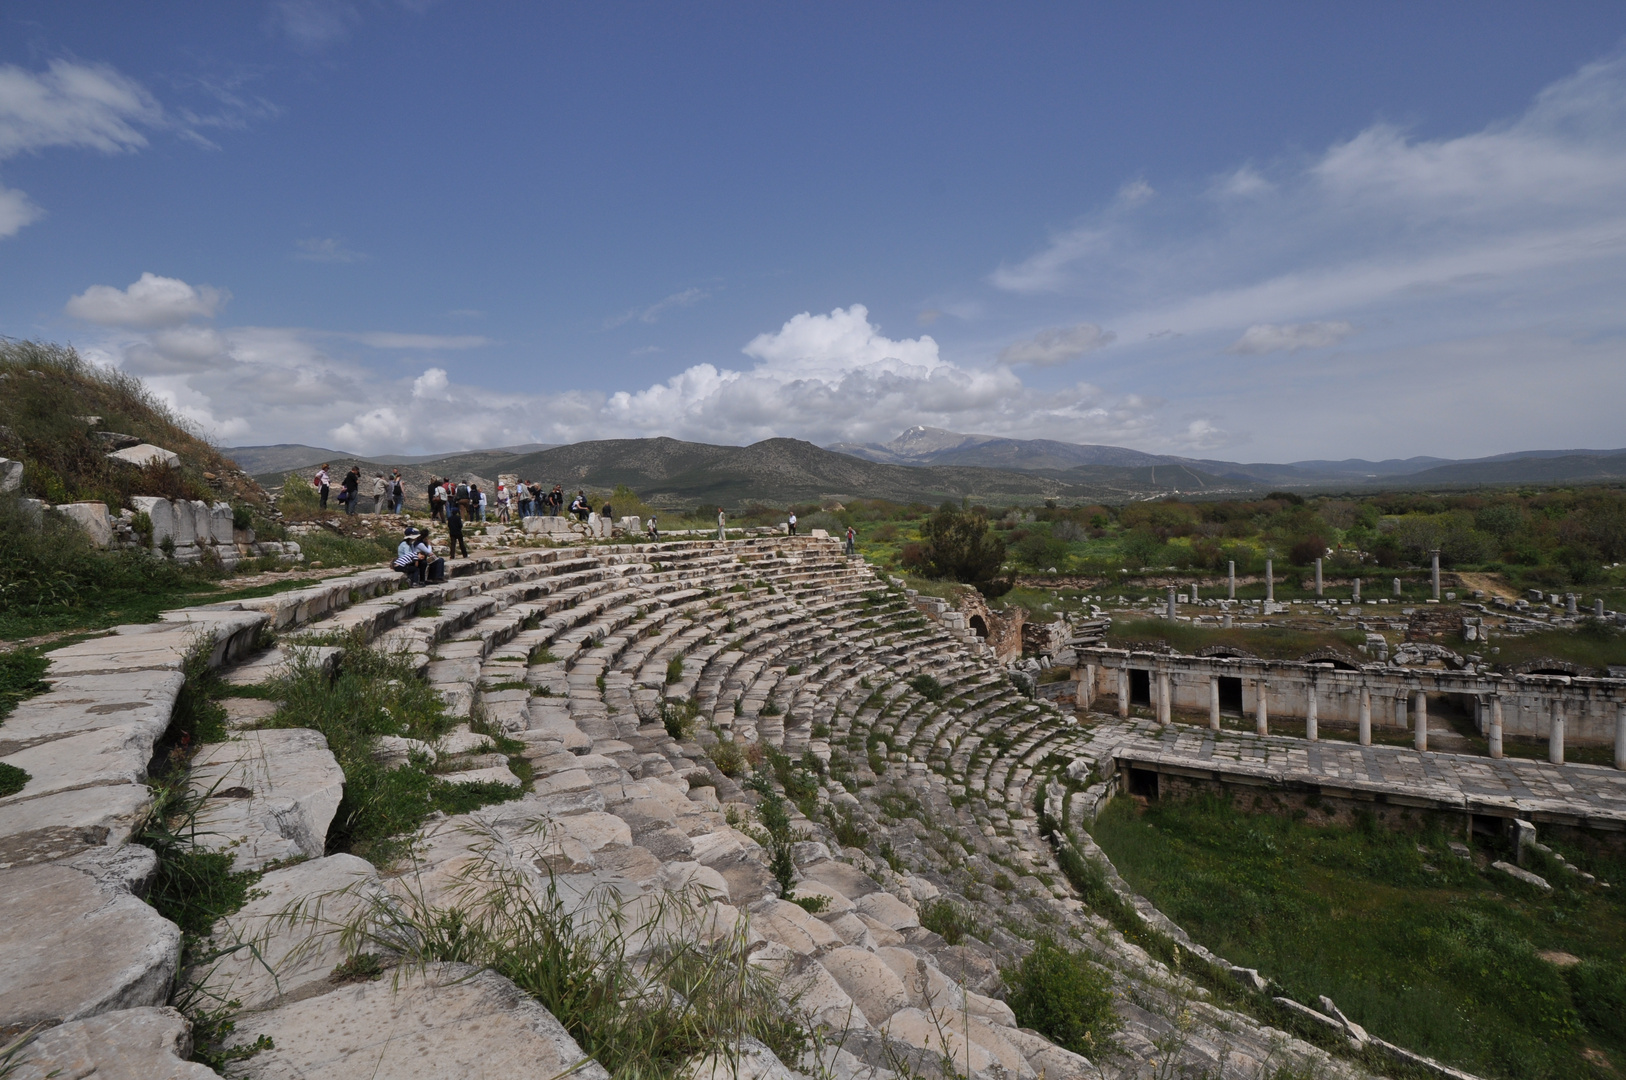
(958, 544)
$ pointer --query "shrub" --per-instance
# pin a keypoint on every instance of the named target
(728, 757)
(948, 920)
(927, 687)
(1064, 997)
(674, 670)
(678, 717)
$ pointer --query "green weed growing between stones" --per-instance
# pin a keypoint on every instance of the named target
(646, 989)
(376, 694)
(1064, 997)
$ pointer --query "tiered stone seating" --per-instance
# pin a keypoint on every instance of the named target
(571, 652)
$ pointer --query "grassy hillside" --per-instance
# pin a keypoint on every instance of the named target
(47, 395)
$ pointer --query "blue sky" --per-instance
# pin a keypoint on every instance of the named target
(1250, 231)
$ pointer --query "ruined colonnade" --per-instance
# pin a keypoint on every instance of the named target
(1584, 711)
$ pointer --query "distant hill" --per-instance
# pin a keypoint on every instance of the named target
(924, 464)
(1575, 468)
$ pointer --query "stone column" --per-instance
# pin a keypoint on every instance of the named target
(1270, 583)
(1163, 697)
(1400, 711)
(1555, 735)
(1171, 603)
(1213, 705)
(1620, 735)
(1434, 572)
(1355, 598)
(1397, 586)
(1261, 713)
(1597, 608)
(1495, 735)
(1231, 594)
(1570, 605)
(1310, 731)
(1420, 720)
(1123, 692)
(1084, 697)
(1194, 595)
(1225, 621)
(1318, 577)
(1366, 716)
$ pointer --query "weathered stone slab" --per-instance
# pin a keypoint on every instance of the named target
(131, 1044)
(888, 910)
(450, 1021)
(34, 830)
(71, 947)
(282, 660)
(93, 518)
(138, 700)
(103, 758)
(274, 794)
(142, 455)
(285, 943)
(867, 979)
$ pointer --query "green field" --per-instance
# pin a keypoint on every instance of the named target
(1425, 949)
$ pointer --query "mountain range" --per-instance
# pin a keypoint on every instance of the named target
(927, 464)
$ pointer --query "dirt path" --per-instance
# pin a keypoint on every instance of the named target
(1489, 584)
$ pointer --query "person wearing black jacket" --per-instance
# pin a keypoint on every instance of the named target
(351, 485)
(454, 529)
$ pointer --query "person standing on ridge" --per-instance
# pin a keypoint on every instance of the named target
(792, 523)
(380, 491)
(722, 524)
(320, 483)
(397, 491)
(852, 541)
(351, 487)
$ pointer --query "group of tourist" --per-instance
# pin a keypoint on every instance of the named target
(387, 493)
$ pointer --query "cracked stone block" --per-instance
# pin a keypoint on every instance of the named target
(450, 1020)
(282, 945)
(269, 795)
(73, 947)
(130, 1044)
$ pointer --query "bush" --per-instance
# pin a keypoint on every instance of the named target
(927, 687)
(948, 920)
(960, 546)
(728, 757)
(674, 670)
(1064, 997)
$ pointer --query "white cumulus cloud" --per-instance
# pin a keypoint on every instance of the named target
(1262, 338)
(152, 301)
(1057, 345)
(16, 211)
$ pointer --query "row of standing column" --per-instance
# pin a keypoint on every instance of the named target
(1418, 718)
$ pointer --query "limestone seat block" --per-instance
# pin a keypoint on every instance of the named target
(867, 979)
(490, 774)
(448, 1022)
(274, 794)
(791, 926)
(73, 947)
(285, 942)
(125, 702)
(888, 910)
(1048, 1059)
(34, 830)
(130, 1044)
(975, 1047)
